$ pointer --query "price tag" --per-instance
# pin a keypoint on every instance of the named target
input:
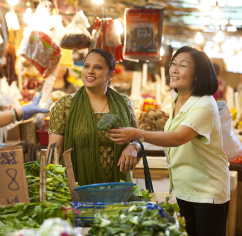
(70, 175)
(13, 184)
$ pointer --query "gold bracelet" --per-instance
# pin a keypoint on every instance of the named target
(135, 145)
(142, 137)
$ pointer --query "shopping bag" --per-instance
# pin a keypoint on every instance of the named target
(231, 144)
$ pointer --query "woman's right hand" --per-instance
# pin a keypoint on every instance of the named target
(124, 135)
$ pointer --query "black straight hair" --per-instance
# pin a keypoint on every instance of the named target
(110, 61)
(207, 82)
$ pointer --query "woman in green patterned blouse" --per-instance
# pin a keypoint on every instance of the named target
(73, 124)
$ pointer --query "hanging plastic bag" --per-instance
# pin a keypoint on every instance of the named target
(76, 35)
(231, 144)
(37, 45)
(105, 37)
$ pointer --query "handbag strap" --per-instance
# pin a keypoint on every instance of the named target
(148, 181)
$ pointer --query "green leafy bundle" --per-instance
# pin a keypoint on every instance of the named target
(108, 121)
(31, 215)
(57, 184)
(133, 221)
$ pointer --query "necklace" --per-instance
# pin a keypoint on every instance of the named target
(101, 110)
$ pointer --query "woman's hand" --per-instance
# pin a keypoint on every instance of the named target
(124, 135)
(128, 159)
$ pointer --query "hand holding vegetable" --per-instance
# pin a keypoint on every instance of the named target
(108, 121)
(124, 135)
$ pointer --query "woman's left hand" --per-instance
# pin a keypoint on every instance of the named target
(128, 159)
(124, 135)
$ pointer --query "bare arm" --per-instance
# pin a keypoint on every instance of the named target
(182, 135)
(6, 117)
(53, 138)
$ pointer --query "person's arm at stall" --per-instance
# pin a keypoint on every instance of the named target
(8, 117)
(182, 135)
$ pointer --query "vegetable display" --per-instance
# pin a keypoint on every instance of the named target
(135, 220)
(30, 215)
(108, 121)
(57, 184)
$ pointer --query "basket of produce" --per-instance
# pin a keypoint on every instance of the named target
(105, 192)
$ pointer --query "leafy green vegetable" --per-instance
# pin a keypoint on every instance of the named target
(171, 208)
(108, 121)
(57, 184)
(30, 215)
(133, 221)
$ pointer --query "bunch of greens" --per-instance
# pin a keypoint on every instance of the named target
(135, 220)
(30, 215)
(108, 121)
(171, 209)
(56, 181)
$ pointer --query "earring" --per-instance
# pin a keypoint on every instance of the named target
(109, 79)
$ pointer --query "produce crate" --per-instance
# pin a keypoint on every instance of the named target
(87, 211)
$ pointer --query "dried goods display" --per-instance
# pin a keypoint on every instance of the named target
(10, 58)
(30, 76)
(76, 35)
(153, 120)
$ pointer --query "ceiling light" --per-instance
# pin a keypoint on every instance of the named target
(98, 1)
(162, 51)
(12, 2)
(28, 16)
(12, 20)
(216, 48)
(216, 12)
(118, 27)
(219, 37)
(198, 38)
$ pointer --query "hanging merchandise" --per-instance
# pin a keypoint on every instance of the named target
(37, 45)
(10, 58)
(76, 35)
(143, 33)
(105, 37)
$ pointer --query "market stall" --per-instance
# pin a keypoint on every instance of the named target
(47, 55)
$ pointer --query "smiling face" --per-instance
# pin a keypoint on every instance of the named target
(183, 79)
(95, 73)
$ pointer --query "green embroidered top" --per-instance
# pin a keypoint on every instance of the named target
(59, 116)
